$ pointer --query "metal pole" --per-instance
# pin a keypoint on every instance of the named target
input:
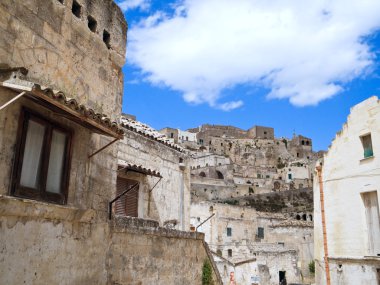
(196, 229)
(325, 246)
(12, 100)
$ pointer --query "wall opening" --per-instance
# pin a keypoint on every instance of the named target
(304, 217)
(76, 9)
(107, 39)
(298, 217)
(282, 277)
(230, 253)
(229, 232)
(202, 174)
(367, 145)
(219, 174)
(92, 24)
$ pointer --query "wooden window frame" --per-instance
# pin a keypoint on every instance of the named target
(41, 194)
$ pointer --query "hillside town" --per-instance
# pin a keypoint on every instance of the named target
(91, 195)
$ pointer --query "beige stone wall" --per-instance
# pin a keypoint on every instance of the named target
(49, 244)
(346, 176)
(170, 199)
(60, 51)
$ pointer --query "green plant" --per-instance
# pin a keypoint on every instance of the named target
(207, 273)
(312, 267)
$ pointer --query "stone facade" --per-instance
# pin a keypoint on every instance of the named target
(266, 243)
(350, 183)
(54, 222)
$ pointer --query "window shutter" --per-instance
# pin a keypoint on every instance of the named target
(127, 205)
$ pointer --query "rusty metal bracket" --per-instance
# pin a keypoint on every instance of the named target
(99, 150)
(196, 229)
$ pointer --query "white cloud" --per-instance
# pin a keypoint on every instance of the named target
(134, 4)
(304, 51)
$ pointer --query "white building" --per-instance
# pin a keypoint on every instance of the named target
(349, 180)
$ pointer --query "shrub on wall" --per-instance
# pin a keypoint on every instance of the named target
(207, 273)
(312, 267)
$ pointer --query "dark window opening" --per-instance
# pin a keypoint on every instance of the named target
(367, 145)
(107, 39)
(220, 175)
(76, 9)
(304, 217)
(289, 176)
(311, 218)
(229, 232)
(171, 135)
(303, 142)
(202, 174)
(43, 160)
(260, 232)
(187, 138)
(298, 217)
(282, 278)
(61, 1)
(307, 143)
(230, 253)
(180, 160)
(92, 24)
(298, 155)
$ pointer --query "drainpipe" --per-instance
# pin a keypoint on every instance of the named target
(325, 247)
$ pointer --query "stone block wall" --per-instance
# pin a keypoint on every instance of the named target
(43, 243)
(61, 51)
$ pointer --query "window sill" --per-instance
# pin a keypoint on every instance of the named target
(19, 207)
(367, 158)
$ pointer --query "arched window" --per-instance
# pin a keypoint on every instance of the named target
(298, 217)
(311, 218)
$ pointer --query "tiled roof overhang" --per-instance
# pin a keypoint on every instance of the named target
(146, 131)
(67, 107)
(138, 168)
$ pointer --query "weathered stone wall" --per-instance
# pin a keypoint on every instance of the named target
(261, 132)
(48, 244)
(170, 199)
(60, 50)
(287, 244)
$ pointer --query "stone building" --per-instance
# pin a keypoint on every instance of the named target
(259, 247)
(259, 132)
(160, 168)
(346, 202)
(63, 156)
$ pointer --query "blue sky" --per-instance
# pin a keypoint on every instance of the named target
(291, 66)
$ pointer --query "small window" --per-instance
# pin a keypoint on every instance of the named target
(187, 138)
(229, 232)
(107, 40)
(260, 232)
(265, 133)
(367, 145)
(171, 135)
(43, 159)
(127, 205)
(92, 24)
(230, 253)
(290, 176)
(76, 9)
